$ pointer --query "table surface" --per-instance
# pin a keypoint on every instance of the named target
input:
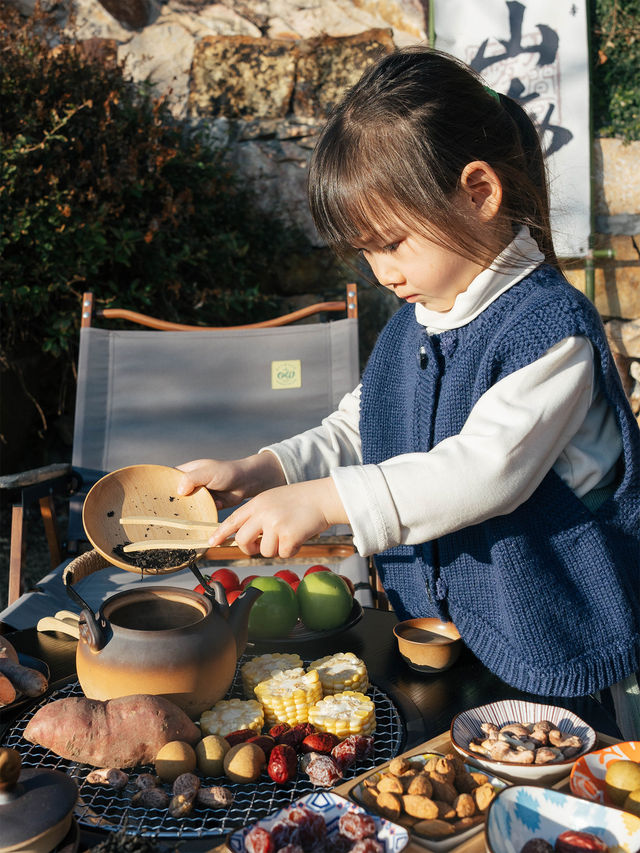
(427, 702)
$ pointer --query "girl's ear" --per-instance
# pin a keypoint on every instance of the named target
(483, 189)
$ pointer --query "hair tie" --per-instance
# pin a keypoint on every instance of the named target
(494, 95)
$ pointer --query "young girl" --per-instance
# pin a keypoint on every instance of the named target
(489, 457)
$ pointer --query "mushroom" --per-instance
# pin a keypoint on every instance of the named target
(539, 735)
(479, 748)
(515, 730)
(516, 742)
(503, 751)
(547, 754)
(491, 730)
(569, 744)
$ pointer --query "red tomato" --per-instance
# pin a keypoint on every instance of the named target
(294, 585)
(245, 581)
(199, 589)
(312, 569)
(349, 583)
(287, 575)
(227, 578)
(232, 594)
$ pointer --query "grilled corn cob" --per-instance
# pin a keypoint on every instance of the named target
(229, 715)
(342, 671)
(344, 714)
(287, 696)
(263, 667)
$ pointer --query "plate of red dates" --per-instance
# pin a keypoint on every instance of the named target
(320, 821)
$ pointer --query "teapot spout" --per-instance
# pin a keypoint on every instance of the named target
(238, 617)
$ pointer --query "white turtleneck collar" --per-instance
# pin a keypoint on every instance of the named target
(516, 261)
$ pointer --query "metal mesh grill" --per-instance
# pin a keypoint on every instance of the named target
(102, 807)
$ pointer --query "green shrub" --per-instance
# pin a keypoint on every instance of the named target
(615, 26)
(101, 189)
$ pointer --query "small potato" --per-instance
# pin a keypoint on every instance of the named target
(244, 762)
(419, 806)
(467, 822)
(465, 782)
(210, 753)
(389, 782)
(389, 804)
(174, 759)
(442, 789)
(479, 778)
(369, 796)
(446, 811)
(399, 766)
(484, 795)
(420, 784)
(447, 769)
(464, 805)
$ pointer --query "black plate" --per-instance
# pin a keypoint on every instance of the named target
(299, 633)
(22, 700)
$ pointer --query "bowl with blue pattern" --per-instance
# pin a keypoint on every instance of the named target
(391, 836)
(523, 812)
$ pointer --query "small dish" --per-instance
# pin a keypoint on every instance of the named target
(331, 807)
(587, 775)
(427, 644)
(522, 812)
(435, 844)
(466, 726)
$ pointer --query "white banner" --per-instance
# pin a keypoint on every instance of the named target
(537, 53)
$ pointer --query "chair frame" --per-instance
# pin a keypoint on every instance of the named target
(40, 484)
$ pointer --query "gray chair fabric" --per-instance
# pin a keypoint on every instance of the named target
(168, 397)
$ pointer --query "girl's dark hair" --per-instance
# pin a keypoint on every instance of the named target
(396, 145)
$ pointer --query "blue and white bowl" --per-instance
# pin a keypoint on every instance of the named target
(331, 807)
(466, 726)
(522, 812)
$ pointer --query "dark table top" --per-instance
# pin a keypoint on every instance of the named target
(427, 703)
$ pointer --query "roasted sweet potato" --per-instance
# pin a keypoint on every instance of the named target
(122, 732)
(7, 691)
(24, 679)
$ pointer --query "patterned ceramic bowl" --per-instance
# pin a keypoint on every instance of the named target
(522, 812)
(393, 837)
(587, 776)
(466, 726)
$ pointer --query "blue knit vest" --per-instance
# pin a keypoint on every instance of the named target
(548, 596)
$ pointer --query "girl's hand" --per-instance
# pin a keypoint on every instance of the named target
(277, 522)
(232, 481)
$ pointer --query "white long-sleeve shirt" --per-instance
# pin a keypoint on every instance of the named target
(549, 414)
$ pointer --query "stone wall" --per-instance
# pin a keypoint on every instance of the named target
(260, 75)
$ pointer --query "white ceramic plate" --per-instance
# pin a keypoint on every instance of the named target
(435, 844)
(331, 807)
(466, 726)
(522, 812)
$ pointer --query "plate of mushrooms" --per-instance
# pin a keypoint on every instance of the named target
(522, 741)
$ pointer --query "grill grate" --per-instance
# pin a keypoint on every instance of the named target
(101, 807)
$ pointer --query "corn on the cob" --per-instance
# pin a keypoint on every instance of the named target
(344, 714)
(342, 671)
(263, 667)
(287, 696)
(229, 715)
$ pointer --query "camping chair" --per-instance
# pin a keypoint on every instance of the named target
(171, 392)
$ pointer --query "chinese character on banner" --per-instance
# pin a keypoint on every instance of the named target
(536, 52)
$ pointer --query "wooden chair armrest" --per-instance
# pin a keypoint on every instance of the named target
(22, 479)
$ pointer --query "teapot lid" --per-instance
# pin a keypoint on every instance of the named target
(36, 805)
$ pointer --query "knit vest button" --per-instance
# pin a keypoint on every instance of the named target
(441, 589)
(423, 358)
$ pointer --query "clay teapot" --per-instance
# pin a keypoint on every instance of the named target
(159, 640)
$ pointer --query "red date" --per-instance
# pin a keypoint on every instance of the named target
(283, 763)
(322, 742)
(579, 842)
(239, 736)
(258, 840)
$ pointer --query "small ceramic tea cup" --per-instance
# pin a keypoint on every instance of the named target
(427, 644)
